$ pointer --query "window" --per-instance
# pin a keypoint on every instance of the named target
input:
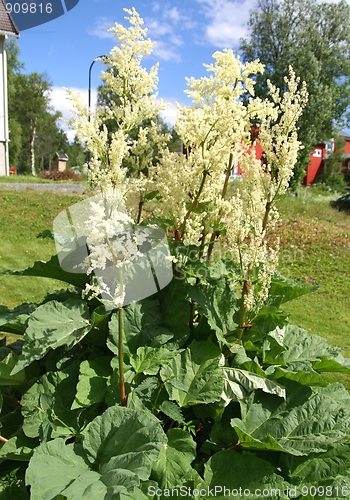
(329, 146)
(317, 153)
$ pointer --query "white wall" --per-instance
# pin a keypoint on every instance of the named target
(4, 165)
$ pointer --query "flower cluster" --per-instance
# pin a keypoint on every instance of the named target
(225, 126)
(112, 245)
(135, 103)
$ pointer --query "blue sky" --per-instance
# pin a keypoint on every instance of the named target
(187, 33)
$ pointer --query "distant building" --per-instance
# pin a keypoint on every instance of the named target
(7, 28)
(318, 158)
(61, 161)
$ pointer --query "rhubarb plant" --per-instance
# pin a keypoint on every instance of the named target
(198, 387)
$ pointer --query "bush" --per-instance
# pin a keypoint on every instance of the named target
(57, 175)
(333, 181)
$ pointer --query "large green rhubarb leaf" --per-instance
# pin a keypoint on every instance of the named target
(194, 376)
(309, 426)
(337, 392)
(6, 366)
(294, 354)
(283, 290)
(304, 374)
(127, 434)
(47, 402)
(337, 364)
(52, 325)
(18, 448)
(240, 383)
(174, 459)
(218, 304)
(148, 360)
(93, 378)
(15, 320)
(302, 347)
(291, 345)
(177, 323)
(116, 455)
(227, 473)
(51, 269)
(52, 468)
(142, 326)
(318, 467)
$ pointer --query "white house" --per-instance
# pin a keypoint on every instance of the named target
(7, 28)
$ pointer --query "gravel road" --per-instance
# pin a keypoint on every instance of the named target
(57, 188)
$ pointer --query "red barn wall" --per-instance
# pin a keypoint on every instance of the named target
(313, 168)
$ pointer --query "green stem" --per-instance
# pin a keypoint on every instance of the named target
(207, 134)
(227, 176)
(179, 232)
(242, 313)
(141, 203)
(7, 395)
(215, 234)
(266, 216)
(194, 303)
(123, 397)
(172, 423)
(157, 397)
(55, 417)
(234, 446)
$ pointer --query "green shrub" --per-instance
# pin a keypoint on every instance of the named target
(336, 182)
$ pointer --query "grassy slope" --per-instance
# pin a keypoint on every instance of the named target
(315, 243)
(23, 215)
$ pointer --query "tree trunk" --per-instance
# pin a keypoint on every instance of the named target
(32, 152)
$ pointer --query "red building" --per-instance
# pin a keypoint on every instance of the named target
(318, 158)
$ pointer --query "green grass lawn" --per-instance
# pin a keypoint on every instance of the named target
(23, 215)
(315, 241)
(315, 248)
(30, 179)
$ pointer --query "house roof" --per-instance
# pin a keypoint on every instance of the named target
(345, 134)
(62, 156)
(7, 24)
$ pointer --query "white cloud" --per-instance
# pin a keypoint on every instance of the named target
(228, 21)
(61, 103)
(156, 29)
(163, 50)
(167, 30)
(101, 28)
(155, 7)
(169, 114)
(174, 15)
(176, 40)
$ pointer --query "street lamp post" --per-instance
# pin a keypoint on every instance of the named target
(89, 91)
